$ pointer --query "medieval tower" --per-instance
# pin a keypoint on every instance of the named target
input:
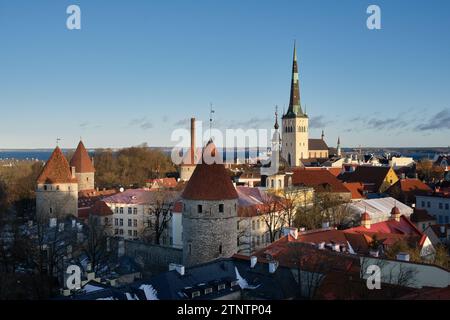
(57, 188)
(209, 216)
(295, 124)
(84, 169)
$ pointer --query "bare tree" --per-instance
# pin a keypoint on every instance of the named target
(273, 215)
(96, 245)
(159, 215)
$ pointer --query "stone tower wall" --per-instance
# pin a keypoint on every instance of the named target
(86, 181)
(206, 232)
(57, 200)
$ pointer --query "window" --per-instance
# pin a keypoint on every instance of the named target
(237, 223)
(51, 210)
(423, 226)
(130, 222)
(428, 204)
(121, 222)
(57, 188)
(446, 206)
(135, 223)
(45, 188)
(253, 224)
(121, 231)
(129, 210)
(423, 204)
(221, 287)
(121, 209)
(116, 222)
(221, 208)
(258, 240)
(208, 290)
(199, 208)
(116, 210)
(195, 294)
(258, 225)
(441, 206)
(130, 233)
(190, 248)
(134, 210)
(135, 233)
(106, 221)
(279, 183)
(441, 219)
(272, 184)
(116, 231)
(220, 249)
(446, 219)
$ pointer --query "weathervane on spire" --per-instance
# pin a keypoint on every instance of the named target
(211, 111)
(57, 141)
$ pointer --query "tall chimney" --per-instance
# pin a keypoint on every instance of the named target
(192, 141)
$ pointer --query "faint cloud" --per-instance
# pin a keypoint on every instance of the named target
(88, 125)
(318, 122)
(440, 121)
(181, 123)
(142, 123)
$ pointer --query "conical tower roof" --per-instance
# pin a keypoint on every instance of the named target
(56, 170)
(210, 181)
(81, 161)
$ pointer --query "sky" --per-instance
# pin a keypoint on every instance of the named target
(137, 70)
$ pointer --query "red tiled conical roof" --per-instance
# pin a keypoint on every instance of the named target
(395, 211)
(81, 161)
(210, 181)
(56, 170)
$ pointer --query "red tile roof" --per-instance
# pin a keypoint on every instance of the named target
(335, 171)
(81, 161)
(367, 174)
(356, 189)
(320, 180)
(56, 170)
(210, 181)
(162, 183)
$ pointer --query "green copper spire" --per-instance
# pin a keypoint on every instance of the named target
(295, 108)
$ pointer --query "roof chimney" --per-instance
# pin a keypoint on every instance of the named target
(253, 261)
(403, 256)
(366, 221)
(178, 267)
(273, 265)
(192, 158)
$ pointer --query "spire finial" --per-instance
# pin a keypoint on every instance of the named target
(57, 141)
(276, 126)
(323, 134)
(295, 50)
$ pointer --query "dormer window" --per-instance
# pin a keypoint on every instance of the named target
(221, 287)
(195, 294)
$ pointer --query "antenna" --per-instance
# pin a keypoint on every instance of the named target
(211, 111)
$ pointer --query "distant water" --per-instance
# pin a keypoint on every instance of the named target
(25, 154)
(44, 154)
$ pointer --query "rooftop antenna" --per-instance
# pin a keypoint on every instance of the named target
(211, 111)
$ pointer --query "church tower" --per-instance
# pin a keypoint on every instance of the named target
(57, 188)
(84, 169)
(295, 124)
(209, 216)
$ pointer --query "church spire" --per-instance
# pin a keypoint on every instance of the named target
(295, 108)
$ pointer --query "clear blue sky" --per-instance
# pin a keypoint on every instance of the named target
(137, 69)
